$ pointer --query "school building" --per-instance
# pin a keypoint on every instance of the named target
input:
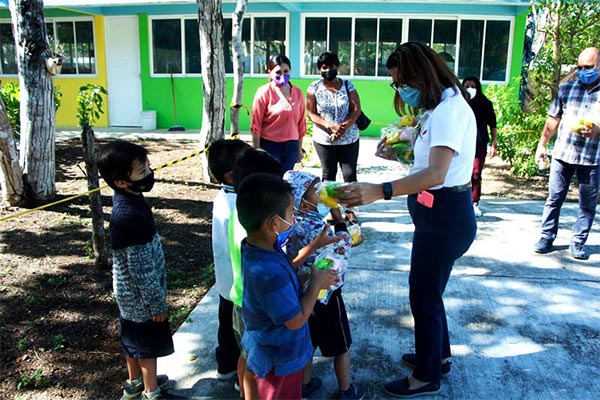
(144, 51)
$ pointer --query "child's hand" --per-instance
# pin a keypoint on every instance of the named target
(324, 239)
(160, 317)
(324, 279)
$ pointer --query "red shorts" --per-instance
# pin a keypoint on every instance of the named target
(273, 387)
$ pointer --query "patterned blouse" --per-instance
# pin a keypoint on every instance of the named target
(334, 107)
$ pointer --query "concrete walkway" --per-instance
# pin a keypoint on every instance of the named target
(522, 325)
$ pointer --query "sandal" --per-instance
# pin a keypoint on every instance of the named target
(351, 216)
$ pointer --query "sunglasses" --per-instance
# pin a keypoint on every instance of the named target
(580, 67)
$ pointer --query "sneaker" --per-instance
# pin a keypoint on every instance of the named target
(578, 251)
(353, 392)
(311, 387)
(410, 360)
(236, 387)
(133, 390)
(399, 388)
(543, 246)
(227, 376)
(476, 210)
(157, 394)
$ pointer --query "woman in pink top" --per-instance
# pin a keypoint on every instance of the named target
(278, 123)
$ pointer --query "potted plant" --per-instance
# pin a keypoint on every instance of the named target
(55, 61)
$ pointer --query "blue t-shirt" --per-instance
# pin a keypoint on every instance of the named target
(271, 298)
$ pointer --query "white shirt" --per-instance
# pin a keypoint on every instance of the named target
(451, 124)
(223, 204)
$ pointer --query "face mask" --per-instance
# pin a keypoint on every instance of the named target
(472, 92)
(283, 237)
(282, 80)
(143, 185)
(322, 209)
(329, 75)
(410, 96)
(588, 76)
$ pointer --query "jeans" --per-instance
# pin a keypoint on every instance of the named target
(442, 235)
(560, 179)
(285, 152)
(346, 155)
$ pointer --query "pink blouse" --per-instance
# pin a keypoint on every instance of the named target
(276, 118)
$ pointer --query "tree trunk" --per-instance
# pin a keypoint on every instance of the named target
(238, 68)
(36, 98)
(11, 178)
(91, 170)
(210, 23)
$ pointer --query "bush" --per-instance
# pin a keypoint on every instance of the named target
(518, 131)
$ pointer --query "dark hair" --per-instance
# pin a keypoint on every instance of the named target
(328, 58)
(115, 160)
(423, 69)
(261, 196)
(277, 59)
(253, 161)
(477, 83)
(223, 154)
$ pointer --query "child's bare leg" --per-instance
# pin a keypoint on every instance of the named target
(241, 368)
(133, 368)
(341, 364)
(148, 366)
(250, 385)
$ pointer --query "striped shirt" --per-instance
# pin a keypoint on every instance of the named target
(573, 104)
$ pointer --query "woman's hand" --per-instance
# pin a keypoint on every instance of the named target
(359, 193)
(160, 317)
(336, 131)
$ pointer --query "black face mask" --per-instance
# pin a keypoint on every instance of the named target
(143, 185)
(329, 75)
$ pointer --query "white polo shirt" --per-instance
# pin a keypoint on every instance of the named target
(450, 124)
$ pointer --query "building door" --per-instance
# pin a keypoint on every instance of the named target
(123, 71)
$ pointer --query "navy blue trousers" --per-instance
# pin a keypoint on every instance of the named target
(285, 152)
(442, 235)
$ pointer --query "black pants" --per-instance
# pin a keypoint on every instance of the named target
(346, 155)
(227, 351)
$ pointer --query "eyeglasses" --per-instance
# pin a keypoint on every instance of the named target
(580, 67)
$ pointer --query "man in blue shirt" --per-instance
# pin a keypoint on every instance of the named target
(575, 112)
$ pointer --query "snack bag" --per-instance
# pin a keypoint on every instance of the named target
(401, 140)
(355, 234)
(326, 192)
(582, 124)
(329, 259)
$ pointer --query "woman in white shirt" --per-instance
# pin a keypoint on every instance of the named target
(439, 201)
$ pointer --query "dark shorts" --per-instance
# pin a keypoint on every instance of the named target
(329, 327)
(145, 339)
(238, 329)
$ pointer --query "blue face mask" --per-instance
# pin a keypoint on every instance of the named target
(321, 208)
(283, 237)
(410, 96)
(588, 76)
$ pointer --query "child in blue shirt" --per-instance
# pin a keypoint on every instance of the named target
(274, 309)
(139, 276)
(329, 327)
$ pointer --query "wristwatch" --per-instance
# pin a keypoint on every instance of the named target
(387, 191)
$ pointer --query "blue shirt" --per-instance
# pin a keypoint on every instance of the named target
(271, 298)
(572, 104)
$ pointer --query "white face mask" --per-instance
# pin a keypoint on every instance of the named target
(472, 92)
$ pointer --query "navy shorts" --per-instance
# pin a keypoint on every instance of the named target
(329, 327)
(145, 339)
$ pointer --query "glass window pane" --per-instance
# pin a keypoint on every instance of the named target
(227, 49)
(66, 37)
(496, 50)
(444, 40)
(340, 42)
(246, 46)
(192, 47)
(86, 60)
(8, 55)
(166, 46)
(419, 30)
(50, 29)
(269, 39)
(390, 37)
(471, 44)
(365, 47)
(315, 43)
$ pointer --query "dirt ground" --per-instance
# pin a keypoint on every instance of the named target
(58, 330)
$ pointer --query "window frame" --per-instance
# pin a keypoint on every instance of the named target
(405, 30)
(53, 21)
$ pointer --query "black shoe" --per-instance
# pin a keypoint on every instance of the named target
(410, 360)
(543, 246)
(578, 251)
(399, 388)
(311, 387)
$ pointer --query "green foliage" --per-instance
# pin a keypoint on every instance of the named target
(518, 130)
(90, 103)
(37, 380)
(59, 342)
(22, 344)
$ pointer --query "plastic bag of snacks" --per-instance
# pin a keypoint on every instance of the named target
(326, 192)
(329, 259)
(355, 234)
(400, 140)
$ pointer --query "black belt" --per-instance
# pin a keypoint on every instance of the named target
(450, 190)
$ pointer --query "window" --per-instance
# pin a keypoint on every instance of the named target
(166, 46)
(469, 47)
(76, 41)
